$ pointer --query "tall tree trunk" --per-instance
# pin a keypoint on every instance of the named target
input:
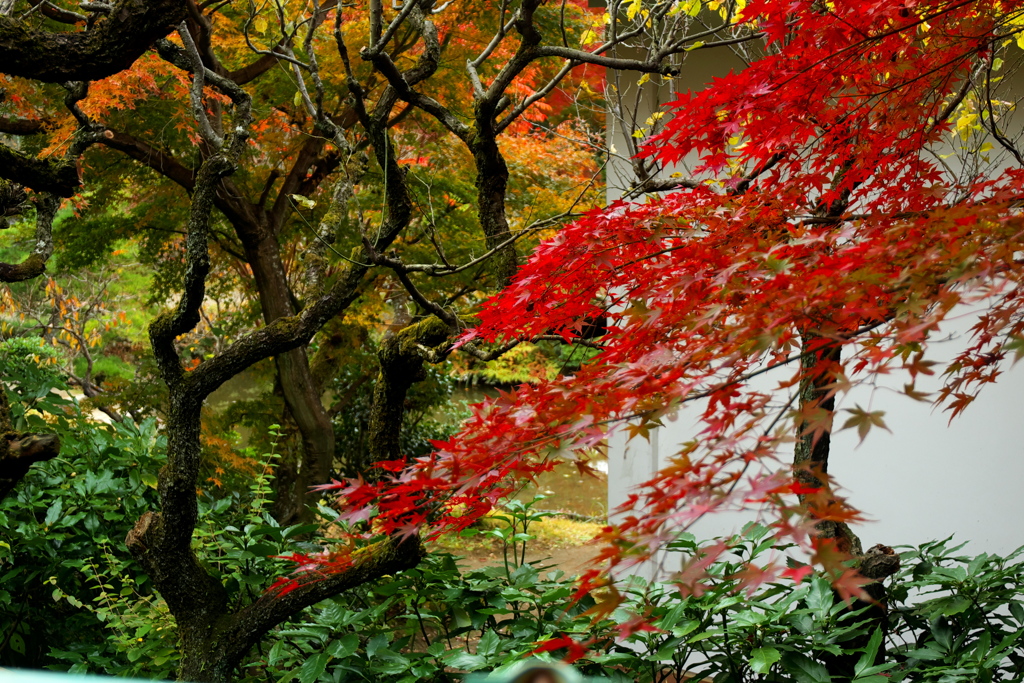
(492, 187)
(161, 543)
(401, 366)
(810, 461)
(302, 394)
(817, 407)
(215, 640)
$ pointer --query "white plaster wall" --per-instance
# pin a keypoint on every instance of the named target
(926, 480)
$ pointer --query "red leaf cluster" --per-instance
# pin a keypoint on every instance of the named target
(824, 209)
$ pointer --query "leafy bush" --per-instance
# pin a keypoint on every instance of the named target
(951, 618)
(63, 532)
(72, 597)
(239, 541)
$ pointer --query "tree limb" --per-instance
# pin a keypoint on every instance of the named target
(57, 176)
(35, 263)
(111, 45)
(389, 556)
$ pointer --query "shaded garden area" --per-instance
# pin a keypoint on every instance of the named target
(254, 253)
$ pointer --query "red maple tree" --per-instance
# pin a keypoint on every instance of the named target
(850, 187)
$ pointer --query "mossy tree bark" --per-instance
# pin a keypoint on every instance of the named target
(110, 45)
(213, 639)
(401, 358)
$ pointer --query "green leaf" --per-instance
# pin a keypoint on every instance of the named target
(296, 530)
(392, 666)
(378, 642)
(464, 660)
(275, 652)
(344, 647)
(867, 660)
(762, 658)
(313, 667)
(392, 587)
(149, 479)
(955, 605)
(820, 597)
(488, 644)
(943, 634)
(462, 618)
(749, 618)
(53, 513)
(705, 635)
(1017, 610)
(804, 669)
(299, 199)
(977, 564)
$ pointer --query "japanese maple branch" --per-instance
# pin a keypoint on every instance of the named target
(379, 42)
(52, 11)
(427, 64)
(403, 276)
(437, 270)
(576, 57)
(473, 66)
(388, 556)
(196, 91)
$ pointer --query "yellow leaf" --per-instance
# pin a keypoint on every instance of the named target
(304, 201)
(260, 24)
(965, 123)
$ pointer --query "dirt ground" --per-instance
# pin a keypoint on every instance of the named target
(572, 560)
(560, 543)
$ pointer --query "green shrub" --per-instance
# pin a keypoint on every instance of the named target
(72, 598)
(951, 618)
